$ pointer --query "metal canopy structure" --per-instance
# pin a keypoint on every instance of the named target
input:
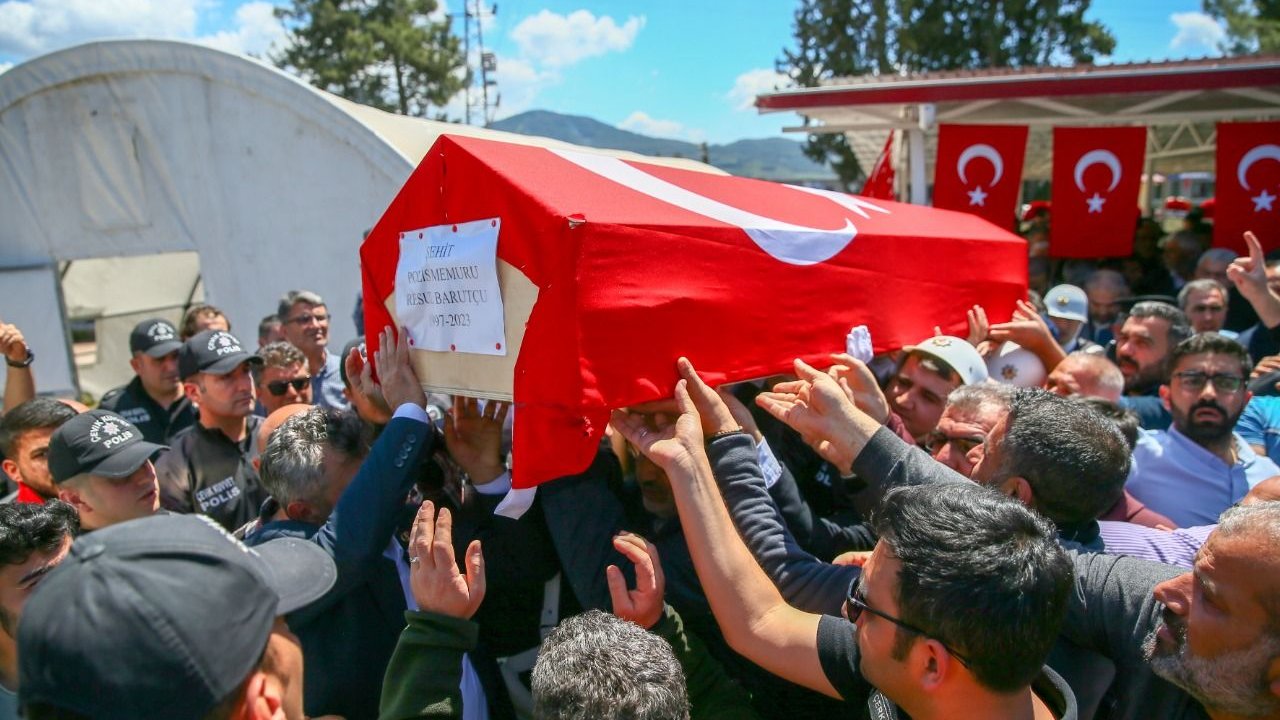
(1178, 102)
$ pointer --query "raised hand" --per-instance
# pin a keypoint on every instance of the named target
(979, 327)
(474, 437)
(859, 384)
(643, 605)
(1249, 273)
(818, 408)
(12, 345)
(400, 384)
(434, 578)
(360, 373)
(678, 447)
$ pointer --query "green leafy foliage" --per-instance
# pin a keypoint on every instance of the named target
(390, 54)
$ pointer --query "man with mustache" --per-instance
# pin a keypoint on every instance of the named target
(153, 400)
(1200, 466)
(1148, 333)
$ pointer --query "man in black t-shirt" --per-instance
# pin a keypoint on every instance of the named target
(153, 400)
(210, 469)
(954, 614)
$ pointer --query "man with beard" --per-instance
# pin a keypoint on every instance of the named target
(1200, 466)
(24, 443)
(1189, 644)
(1142, 353)
(33, 540)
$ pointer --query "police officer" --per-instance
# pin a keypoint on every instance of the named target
(102, 467)
(153, 400)
(210, 467)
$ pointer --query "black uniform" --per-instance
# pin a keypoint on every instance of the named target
(158, 425)
(205, 472)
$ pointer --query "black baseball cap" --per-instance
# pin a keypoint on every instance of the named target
(216, 352)
(98, 442)
(161, 617)
(156, 337)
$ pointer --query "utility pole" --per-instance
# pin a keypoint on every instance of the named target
(479, 102)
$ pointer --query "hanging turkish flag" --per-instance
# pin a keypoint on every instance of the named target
(1097, 173)
(610, 270)
(879, 182)
(979, 170)
(1247, 184)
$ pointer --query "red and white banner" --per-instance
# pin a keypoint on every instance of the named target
(879, 183)
(1097, 173)
(979, 170)
(635, 265)
(1247, 183)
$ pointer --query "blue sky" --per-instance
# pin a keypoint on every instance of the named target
(682, 69)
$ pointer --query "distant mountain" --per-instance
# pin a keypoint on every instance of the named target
(777, 159)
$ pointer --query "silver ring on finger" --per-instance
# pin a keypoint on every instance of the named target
(414, 559)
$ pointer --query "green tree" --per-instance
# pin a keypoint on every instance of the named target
(1252, 25)
(848, 38)
(390, 54)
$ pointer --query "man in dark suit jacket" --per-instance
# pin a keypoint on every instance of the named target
(330, 487)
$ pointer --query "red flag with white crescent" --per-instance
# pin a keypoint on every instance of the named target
(1097, 173)
(979, 170)
(636, 264)
(1247, 184)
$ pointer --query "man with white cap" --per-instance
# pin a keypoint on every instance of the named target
(153, 400)
(102, 467)
(169, 617)
(1068, 309)
(930, 370)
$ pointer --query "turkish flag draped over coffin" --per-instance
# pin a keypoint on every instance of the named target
(628, 266)
(1097, 173)
(1248, 183)
(979, 170)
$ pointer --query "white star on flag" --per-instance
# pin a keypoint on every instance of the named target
(1263, 201)
(977, 197)
(1095, 203)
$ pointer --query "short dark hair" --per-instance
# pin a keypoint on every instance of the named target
(35, 414)
(595, 665)
(1211, 342)
(268, 322)
(1179, 327)
(193, 314)
(981, 572)
(26, 528)
(279, 354)
(1126, 420)
(1075, 460)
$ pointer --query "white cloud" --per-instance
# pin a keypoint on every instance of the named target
(640, 122)
(558, 40)
(753, 82)
(257, 29)
(32, 27)
(4, 67)
(519, 82)
(1197, 32)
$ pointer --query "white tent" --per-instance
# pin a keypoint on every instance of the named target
(139, 176)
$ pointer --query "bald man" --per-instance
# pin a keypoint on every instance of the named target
(1087, 375)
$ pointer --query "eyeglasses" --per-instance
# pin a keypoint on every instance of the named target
(321, 318)
(1196, 380)
(855, 605)
(937, 440)
(280, 387)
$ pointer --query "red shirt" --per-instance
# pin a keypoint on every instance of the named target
(27, 495)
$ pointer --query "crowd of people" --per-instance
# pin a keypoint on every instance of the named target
(1071, 514)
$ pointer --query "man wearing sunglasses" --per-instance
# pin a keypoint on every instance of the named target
(282, 379)
(1199, 466)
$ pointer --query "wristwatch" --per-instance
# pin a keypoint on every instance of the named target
(31, 356)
